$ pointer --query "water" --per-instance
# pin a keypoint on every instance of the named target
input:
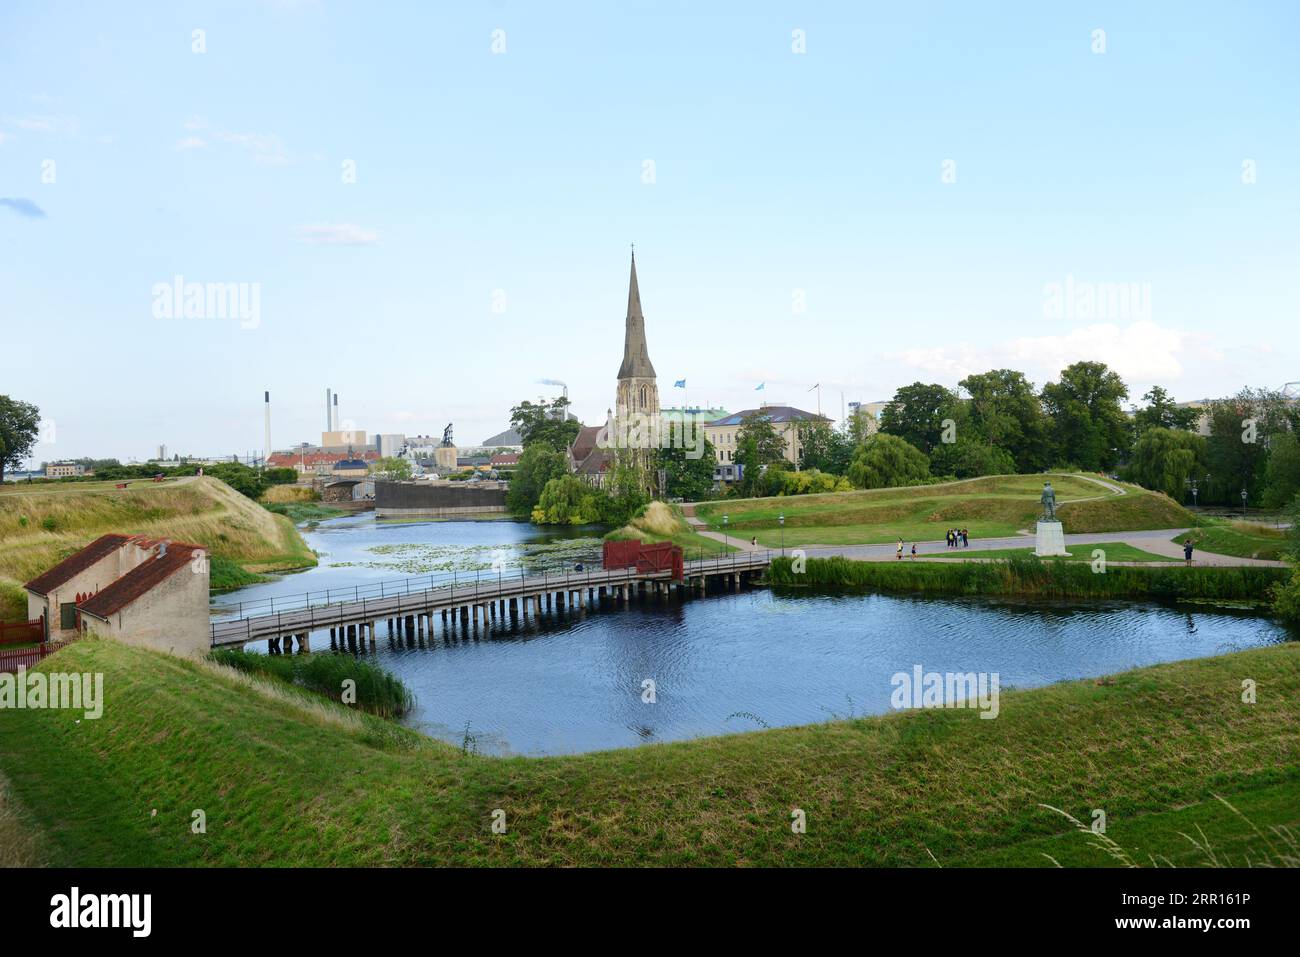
(733, 662)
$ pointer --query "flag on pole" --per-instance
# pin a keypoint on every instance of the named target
(679, 384)
(817, 386)
(759, 388)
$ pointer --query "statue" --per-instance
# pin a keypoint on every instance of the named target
(1048, 498)
(446, 437)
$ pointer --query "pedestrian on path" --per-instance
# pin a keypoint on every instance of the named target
(1187, 550)
(900, 549)
(965, 538)
(914, 551)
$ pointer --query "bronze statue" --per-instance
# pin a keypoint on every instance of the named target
(1048, 498)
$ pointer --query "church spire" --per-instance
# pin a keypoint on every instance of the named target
(636, 356)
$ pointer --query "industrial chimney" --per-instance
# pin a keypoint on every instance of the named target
(329, 414)
(335, 426)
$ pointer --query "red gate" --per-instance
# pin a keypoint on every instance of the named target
(657, 557)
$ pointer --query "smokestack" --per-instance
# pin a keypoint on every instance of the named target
(267, 458)
(335, 426)
(329, 415)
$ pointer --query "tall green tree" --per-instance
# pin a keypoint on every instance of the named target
(688, 473)
(1165, 459)
(1089, 427)
(757, 444)
(545, 422)
(392, 468)
(917, 412)
(1282, 473)
(824, 448)
(1005, 411)
(1161, 412)
(538, 464)
(20, 424)
(887, 461)
(1242, 428)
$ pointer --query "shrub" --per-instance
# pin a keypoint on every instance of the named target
(378, 692)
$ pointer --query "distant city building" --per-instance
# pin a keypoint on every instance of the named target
(506, 460)
(56, 470)
(344, 439)
(509, 439)
(350, 468)
(389, 444)
(785, 419)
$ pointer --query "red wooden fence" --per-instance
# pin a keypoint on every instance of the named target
(659, 557)
(29, 636)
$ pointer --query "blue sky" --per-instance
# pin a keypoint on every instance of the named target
(780, 179)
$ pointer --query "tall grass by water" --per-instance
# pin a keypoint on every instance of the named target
(1032, 576)
(377, 691)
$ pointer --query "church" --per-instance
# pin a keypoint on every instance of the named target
(633, 423)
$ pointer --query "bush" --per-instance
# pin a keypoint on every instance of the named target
(284, 476)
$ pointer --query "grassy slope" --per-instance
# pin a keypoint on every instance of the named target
(664, 523)
(203, 510)
(992, 507)
(284, 783)
(1115, 552)
(1243, 539)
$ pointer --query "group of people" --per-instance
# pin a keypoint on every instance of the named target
(958, 538)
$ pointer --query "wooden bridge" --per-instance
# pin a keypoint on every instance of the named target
(409, 606)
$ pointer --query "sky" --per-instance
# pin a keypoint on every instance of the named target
(431, 205)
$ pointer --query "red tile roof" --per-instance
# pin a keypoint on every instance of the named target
(76, 563)
(139, 580)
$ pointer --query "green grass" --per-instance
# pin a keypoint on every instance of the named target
(285, 781)
(1242, 539)
(299, 512)
(1028, 575)
(664, 523)
(1115, 552)
(990, 507)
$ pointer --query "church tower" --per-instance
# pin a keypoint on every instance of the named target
(638, 394)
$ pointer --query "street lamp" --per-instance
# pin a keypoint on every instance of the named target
(724, 532)
(1244, 496)
(780, 520)
(1193, 485)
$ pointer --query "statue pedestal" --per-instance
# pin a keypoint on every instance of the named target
(1050, 540)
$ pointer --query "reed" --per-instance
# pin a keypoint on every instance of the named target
(377, 691)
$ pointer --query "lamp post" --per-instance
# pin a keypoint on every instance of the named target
(724, 532)
(1244, 496)
(1192, 484)
(780, 520)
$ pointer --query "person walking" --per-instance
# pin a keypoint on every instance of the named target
(965, 538)
(1187, 550)
(900, 549)
(914, 551)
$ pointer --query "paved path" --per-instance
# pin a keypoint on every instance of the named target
(1157, 541)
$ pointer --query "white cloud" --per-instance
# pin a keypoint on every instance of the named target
(1139, 352)
(191, 143)
(336, 234)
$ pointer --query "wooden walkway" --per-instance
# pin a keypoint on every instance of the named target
(489, 597)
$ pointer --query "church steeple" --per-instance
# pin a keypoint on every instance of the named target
(636, 356)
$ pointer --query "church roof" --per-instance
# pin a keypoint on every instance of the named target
(636, 356)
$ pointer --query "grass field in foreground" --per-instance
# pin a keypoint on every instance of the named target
(1115, 552)
(286, 780)
(992, 507)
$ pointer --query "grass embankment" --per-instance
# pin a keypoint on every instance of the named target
(662, 522)
(1115, 552)
(993, 507)
(286, 781)
(41, 525)
(299, 512)
(376, 691)
(1048, 578)
(1242, 539)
